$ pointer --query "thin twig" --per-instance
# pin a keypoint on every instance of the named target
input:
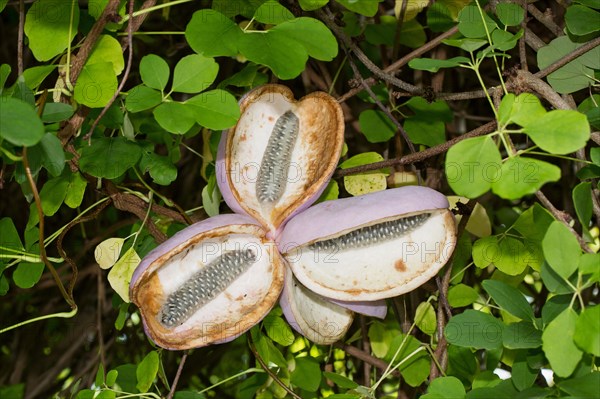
(365, 357)
(433, 43)
(366, 347)
(418, 156)
(578, 52)
(20, 38)
(546, 20)
(177, 375)
(43, 257)
(522, 40)
(268, 370)
(382, 107)
(88, 136)
(542, 88)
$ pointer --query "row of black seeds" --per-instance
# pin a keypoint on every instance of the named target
(204, 286)
(370, 235)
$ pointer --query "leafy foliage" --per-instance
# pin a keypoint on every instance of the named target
(102, 158)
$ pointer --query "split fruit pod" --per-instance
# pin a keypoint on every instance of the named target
(216, 279)
(209, 283)
(277, 160)
(370, 247)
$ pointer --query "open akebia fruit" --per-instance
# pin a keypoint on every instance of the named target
(277, 160)
(370, 247)
(208, 283)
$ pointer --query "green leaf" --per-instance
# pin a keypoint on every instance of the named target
(521, 335)
(19, 123)
(34, 76)
(461, 295)
(553, 281)
(471, 25)
(560, 131)
(53, 194)
(425, 131)
(367, 182)
(504, 41)
(194, 73)
(376, 126)
(561, 249)
(577, 74)
(340, 380)
(27, 274)
(558, 343)
(214, 109)
(367, 8)
(588, 264)
(445, 388)
(471, 165)
(109, 157)
(278, 330)
(510, 14)
(120, 274)
(414, 369)
(523, 375)
(466, 44)
(211, 197)
(50, 28)
(249, 76)
(277, 51)
(4, 73)
(582, 20)
(16, 391)
(474, 329)
(311, 34)
(310, 5)
(75, 190)
(161, 169)
(107, 49)
(96, 85)
(534, 222)
(425, 318)
(141, 98)
(2, 5)
(9, 237)
(154, 71)
(590, 3)
(174, 117)
(121, 317)
(331, 192)
(582, 200)
(51, 153)
(433, 65)
(146, 371)
(587, 330)
(524, 109)
(509, 299)
(412, 33)
(272, 13)
(56, 112)
(111, 377)
(581, 387)
(213, 34)
(380, 338)
(520, 176)
(108, 251)
(306, 374)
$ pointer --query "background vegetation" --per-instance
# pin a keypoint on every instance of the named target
(110, 112)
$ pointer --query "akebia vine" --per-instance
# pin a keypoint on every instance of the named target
(214, 280)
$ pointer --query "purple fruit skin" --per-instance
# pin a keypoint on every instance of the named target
(368, 308)
(186, 234)
(223, 177)
(284, 302)
(332, 217)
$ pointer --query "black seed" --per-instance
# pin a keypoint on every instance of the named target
(204, 286)
(275, 165)
(370, 235)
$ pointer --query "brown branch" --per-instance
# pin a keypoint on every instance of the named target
(542, 88)
(138, 21)
(382, 107)
(522, 40)
(125, 75)
(391, 79)
(418, 156)
(38, 204)
(177, 375)
(579, 51)
(365, 357)
(90, 40)
(366, 347)
(545, 19)
(403, 61)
